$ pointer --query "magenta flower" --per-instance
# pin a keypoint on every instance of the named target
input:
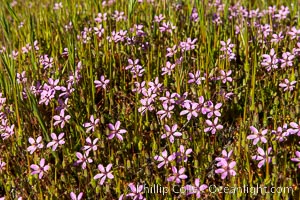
(263, 156)
(226, 169)
(137, 70)
(212, 110)
(166, 112)
(139, 87)
(169, 98)
(281, 133)
(181, 99)
(177, 175)
(155, 86)
(171, 133)
(276, 38)
(257, 135)
(195, 78)
(101, 17)
(105, 173)
(26, 49)
(56, 141)
(46, 96)
(225, 76)
(213, 126)
(21, 78)
(201, 107)
(166, 27)
(90, 145)
(225, 158)
(146, 105)
(149, 94)
(66, 91)
(294, 32)
(102, 83)
(171, 51)
(99, 31)
(91, 125)
(118, 16)
(61, 118)
(183, 154)
(46, 61)
(168, 69)
(191, 110)
(164, 159)
(52, 84)
(40, 169)
(197, 189)
(295, 128)
(287, 60)
(158, 18)
(194, 16)
(83, 159)
(226, 46)
(57, 6)
(114, 131)
(188, 45)
(297, 159)
(287, 85)
(35, 144)
(62, 104)
(133, 64)
(6, 130)
(75, 197)
(136, 191)
(270, 61)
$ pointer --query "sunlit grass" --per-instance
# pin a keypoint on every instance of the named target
(252, 97)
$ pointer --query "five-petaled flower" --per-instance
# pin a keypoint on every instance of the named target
(136, 191)
(225, 76)
(257, 135)
(182, 155)
(61, 119)
(171, 132)
(56, 141)
(90, 145)
(195, 78)
(287, 85)
(213, 126)
(212, 110)
(263, 156)
(225, 158)
(270, 61)
(35, 144)
(168, 69)
(166, 112)
(178, 175)
(190, 189)
(91, 125)
(40, 169)
(102, 83)
(191, 110)
(83, 159)
(115, 131)
(105, 172)
(226, 169)
(164, 158)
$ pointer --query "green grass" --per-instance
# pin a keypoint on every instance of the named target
(258, 100)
